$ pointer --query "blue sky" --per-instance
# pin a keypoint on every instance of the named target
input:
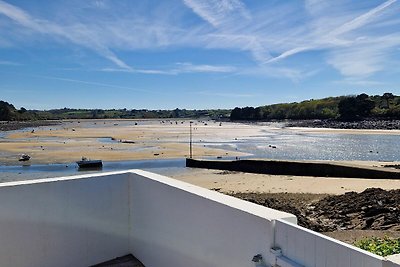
(195, 53)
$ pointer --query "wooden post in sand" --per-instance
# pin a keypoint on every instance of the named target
(190, 142)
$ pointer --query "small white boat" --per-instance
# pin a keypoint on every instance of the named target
(24, 157)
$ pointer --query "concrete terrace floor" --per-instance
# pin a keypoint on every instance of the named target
(124, 261)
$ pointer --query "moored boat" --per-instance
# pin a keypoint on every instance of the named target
(24, 157)
(88, 163)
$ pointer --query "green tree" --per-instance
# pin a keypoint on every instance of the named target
(6, 111)
(347, 109)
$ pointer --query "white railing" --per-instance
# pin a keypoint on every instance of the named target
(84, 220)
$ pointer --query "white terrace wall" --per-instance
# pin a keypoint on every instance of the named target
(77, 221)
(307, 248)
(84, 220)
(178, 224)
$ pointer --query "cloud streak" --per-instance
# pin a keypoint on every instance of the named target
(231, 95)
(63, 79)
(363, 19)
(77, 34)
(217, 12)
(356, 39)
(9, 63)
(179, 68)
(331, 39)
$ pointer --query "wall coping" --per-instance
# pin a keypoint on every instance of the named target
(251, 208)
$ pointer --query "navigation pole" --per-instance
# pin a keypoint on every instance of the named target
(190, 142)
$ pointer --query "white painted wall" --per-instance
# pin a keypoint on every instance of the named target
(177, 224)
(308, 248)
(393, 261)
(64, 222)
(84, 220)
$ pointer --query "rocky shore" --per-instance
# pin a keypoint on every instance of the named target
(372, 209)
(364, 124)
(17, 125)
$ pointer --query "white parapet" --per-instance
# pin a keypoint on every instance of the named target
(72, 221)
(87, 219)
(84, 220)
(308, 248)
(393, 261)
(178, 224)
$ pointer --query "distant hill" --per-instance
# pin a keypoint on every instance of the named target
(9, 113)
(346, 108)
(131, 113)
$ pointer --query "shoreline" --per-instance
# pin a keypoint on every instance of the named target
(132, 139)
(346, 131)
(367, 124)
(6, 126)
(109, 140)
(240, 182)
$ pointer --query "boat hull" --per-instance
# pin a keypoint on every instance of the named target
(90, 164)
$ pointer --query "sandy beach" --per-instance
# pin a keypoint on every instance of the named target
(118, 140)
(114, 140)
(234, 182)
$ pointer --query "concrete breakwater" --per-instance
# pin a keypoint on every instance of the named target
(296, 168)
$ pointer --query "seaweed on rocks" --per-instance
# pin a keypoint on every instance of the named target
(372, 209)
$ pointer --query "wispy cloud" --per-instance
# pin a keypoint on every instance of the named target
(217, 12)
(362, 19)
(277, 34)
(360, 82)
(78, 34)
(81, 82)
(179, 68)
(335, 38)
(9, 63)
(355, 38)
(190, 68)
(231, 95)
(294, 74)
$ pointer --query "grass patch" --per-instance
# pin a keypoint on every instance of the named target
(381, 246)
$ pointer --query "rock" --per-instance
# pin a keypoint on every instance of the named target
(373, 209)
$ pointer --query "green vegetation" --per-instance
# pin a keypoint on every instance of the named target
(346, 108)
(130, 114)
(9, 113)
(381, 246)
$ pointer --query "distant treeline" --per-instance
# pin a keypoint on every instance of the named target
(9, 113)
(346, 108)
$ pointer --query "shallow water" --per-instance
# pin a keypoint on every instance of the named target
(271, 143)
(290, 144)
(26, 172)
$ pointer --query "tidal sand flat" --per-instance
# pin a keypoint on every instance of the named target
(240, 182)
(117, 140)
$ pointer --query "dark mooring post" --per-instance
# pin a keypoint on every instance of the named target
(190, 141)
